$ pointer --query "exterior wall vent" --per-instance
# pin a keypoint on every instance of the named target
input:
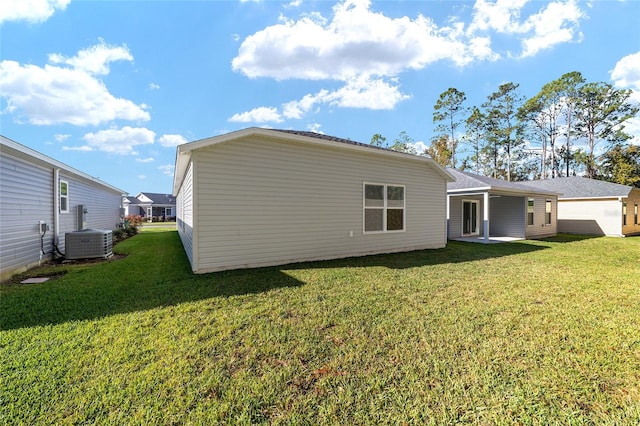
(88, 243)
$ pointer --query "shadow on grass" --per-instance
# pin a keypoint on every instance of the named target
(570, 238)
(156, 273)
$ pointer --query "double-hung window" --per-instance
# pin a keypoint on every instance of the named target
(635, 214)
(384, 208)
(530, 211)
(64, 196)
(624, 214)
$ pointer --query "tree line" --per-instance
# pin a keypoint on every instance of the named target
(570, 127)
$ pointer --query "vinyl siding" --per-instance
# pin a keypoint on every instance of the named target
(102, 205)
(26, 190)
(539, 228)
(508, 216)
(263, 202)
(184, 214)
(591, 217)
(27, 197)
(455, 215)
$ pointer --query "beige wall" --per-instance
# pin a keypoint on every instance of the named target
(261, 202)
(632, 228)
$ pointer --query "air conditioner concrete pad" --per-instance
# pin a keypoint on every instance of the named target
(35, 280)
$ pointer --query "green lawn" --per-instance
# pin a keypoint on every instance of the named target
(544, 332)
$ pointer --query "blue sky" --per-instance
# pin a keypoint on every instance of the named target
(111, 87)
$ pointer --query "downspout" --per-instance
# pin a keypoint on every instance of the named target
(56, 208)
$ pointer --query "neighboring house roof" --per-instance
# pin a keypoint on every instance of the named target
(131, 200)
(575, 187)
(159, 198)
(11, 144)
(183, 152)
(466, 181)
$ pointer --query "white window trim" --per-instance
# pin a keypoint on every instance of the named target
(477, 203)
(384, 209)
(533, 212)
(66, 197)
(550, 213)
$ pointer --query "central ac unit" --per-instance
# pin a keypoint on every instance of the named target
(88, 243)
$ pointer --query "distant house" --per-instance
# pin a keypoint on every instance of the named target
(41, 199)
(483, 209)
(261, 197)
(152, 206)
(594, 207)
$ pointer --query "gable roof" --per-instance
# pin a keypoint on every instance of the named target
(575, 187)
(157, 198)
(183, 152)
(466, 181)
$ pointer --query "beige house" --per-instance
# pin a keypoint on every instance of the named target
(594, 207)
(260, 197)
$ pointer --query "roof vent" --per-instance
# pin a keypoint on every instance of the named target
(88, 243)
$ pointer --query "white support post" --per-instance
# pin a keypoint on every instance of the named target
(486, 217)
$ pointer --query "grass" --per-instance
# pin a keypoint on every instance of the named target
(533, 332)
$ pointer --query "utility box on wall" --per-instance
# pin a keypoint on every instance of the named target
(82, 217)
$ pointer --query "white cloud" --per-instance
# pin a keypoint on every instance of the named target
(119, 141)
(626, 74)
(171, 140)
(73, 95)
(145, 160)
(367, 50)
(315, 127)
(557, 22)
(501, 15)
(258, 115)
(167, 169)
(30, 10)
(83, 148)
(360, 92)
(94, 60)
(61, 137)
(366, 92)
(153, 86)
(355, 41)
(419, 146)
(142, 177)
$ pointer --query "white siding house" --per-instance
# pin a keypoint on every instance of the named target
(261, 197)
(594, 207)
(36, 189)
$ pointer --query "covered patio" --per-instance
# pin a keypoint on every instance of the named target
(487, 210)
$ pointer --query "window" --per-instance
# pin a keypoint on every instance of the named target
(64, 196)
(624, 214)
(383, 208)
(530, 210)
(635, 214)
(547, 211)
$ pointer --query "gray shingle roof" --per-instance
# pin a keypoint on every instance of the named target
(329, 138)
(160, 198)
(579, 187)
(468, 181)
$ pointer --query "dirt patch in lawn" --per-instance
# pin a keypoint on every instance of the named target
(54, 269)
